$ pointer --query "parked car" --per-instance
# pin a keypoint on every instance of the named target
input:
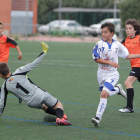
(96, 28)
(65, 26)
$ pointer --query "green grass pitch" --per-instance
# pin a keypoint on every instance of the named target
(68, 72)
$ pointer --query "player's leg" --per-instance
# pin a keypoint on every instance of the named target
(118, 90)
(52, 111)
(59, 113)
(107, 81)
(130, 95)
(53, 102)
(101, 108)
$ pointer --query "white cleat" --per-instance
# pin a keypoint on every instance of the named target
(122, 92)
(96, 121)
(126, 110)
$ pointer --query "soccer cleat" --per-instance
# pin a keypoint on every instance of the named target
(122, 92)
(65, 117)
(20, 100)
(62, 121)
(96, 121)
(126, 110)
(44, 47)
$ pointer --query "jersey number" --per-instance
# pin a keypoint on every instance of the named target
(112, 80)
(22, 88)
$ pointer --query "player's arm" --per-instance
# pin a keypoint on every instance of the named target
(3, 99)
(30, 66)
(102, 61)
(123, 42)
(9, 40)
(19, 52)
(133, 56)
(123, 52)
(96, 57)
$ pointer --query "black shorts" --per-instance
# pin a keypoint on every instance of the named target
(135, 72)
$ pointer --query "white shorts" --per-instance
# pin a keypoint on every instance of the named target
(107, 79)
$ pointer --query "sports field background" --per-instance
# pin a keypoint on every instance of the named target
(68, 72)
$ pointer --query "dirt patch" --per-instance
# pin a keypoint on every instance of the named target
(89, 39)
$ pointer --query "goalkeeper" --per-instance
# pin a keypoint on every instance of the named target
(18, 84)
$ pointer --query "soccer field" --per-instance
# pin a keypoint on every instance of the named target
(68, 72)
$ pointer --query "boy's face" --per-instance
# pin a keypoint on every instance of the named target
(1, 29)
(130, 32)
(106, 34)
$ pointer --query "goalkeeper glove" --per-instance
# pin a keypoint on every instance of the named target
(44, 47)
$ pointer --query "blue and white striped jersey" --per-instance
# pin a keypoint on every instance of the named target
(109, 52)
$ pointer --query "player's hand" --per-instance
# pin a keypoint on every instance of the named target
(114, 64)
(20, 56)
(45, 47)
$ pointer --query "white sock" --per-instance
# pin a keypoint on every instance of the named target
(101, 108)
(114, 92)
(117, 90)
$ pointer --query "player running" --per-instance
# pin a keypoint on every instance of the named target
(132, 43)
(106, 53)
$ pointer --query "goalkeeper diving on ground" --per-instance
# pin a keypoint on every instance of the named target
(22, 87)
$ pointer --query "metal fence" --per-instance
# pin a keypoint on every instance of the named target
(30, 31)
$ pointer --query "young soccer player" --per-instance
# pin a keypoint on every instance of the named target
(106, 53)
(132, 43)
(5, 44)
(22, 87)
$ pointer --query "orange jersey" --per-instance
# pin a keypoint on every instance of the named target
(133, 46)
(5, 48)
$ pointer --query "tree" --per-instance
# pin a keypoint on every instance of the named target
(46, 6)
(129, 9)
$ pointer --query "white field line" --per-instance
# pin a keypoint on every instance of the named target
(30, 53)
(69, 65)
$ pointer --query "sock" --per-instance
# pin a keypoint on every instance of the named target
(59, 113)
(130, 96)
(117, 90)
(101, 108)
(51, 110)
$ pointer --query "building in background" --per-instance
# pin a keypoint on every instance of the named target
(19, 16)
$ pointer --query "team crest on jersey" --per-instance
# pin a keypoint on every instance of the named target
(116, 50)
(10, 79)
(1, 42)
(135, 42)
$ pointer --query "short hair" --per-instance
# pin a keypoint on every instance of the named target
(4, 69)
(109, 25)
(133, 22)
(1, 23)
